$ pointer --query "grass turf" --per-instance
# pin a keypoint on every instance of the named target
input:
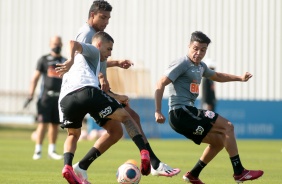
(17, 166)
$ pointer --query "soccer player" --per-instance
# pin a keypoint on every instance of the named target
(183, 78)
(80, 94)
(99, 15)
(47, 104)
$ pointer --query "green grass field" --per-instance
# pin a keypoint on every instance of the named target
(17, 166)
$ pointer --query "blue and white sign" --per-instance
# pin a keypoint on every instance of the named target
(252, 119)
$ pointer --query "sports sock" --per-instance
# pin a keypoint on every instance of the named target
(51, 148)
(92, 154)
(68, 157)
(38, 148)
(198, 168)
(139, 142)
(237, 165)
(155, 162)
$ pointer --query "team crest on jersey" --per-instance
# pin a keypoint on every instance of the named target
(105, 112)
(199, 131)
(209, 114)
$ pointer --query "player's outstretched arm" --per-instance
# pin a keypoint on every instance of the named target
(125, 64)
(63, 68)
(224, 77)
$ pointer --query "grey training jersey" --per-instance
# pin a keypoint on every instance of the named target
(85, 35)
(186, 78)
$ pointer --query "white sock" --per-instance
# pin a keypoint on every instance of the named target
(51, 148)
(38, 148)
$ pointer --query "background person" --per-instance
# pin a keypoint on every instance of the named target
(47, 104)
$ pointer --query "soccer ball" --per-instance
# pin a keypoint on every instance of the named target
(131, 161)
(128, 173)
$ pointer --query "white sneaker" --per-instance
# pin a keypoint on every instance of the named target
(82, 174)
(164, 170)
(55, 156)
(36, 156)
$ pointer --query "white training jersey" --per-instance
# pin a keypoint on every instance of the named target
(84, 72)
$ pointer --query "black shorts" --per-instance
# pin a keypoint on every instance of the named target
(47, 109)
(191, 122)
(90, 100)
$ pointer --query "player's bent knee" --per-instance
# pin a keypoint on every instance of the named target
(230, 127)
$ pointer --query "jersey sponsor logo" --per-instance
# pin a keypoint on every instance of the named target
(51, 72)
(199, 131)
(209, 114)
(66, 122)
(194, 88)
(108, 110)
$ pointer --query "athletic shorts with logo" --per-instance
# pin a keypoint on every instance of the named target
(90, 100)
(191, 122)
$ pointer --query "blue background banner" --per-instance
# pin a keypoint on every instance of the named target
(252, 119)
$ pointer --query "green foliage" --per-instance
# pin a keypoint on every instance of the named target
(17, 166)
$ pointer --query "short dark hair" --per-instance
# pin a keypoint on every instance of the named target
(200, 37)
(105, 37)
(99, 5)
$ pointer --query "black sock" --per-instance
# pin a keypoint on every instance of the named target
(68, 157)
(92, 154)
(198, 168)
(155, 162)
(139, 141)
(237, 165)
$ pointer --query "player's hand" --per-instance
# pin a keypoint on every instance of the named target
(27, 102)
(123, 99)
(246, 77)
(105, 86)
(159, 117)
(63, 68)
(125, 64)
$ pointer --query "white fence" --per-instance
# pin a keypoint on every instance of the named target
(245, 34)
